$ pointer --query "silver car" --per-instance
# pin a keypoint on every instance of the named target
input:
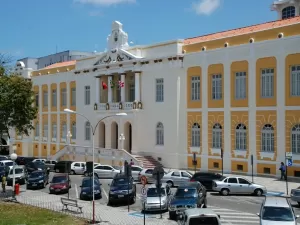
(295, 195)
(20, 176)
(238, 185)
(147, 173)
(154, 202)
(176, 178)
(105, 171)
(277, 211)
(135, 170)
(78, 168)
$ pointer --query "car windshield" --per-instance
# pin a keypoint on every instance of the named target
(17, 171)
(36, 175)
(186, 193)
(120, 182)
(204, 220)
(88, 182)
(39, 164)
(277, 214)
(154, 192)
(9, 163)
(221, 178)
(61, 179)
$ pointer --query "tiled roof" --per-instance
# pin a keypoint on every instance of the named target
(243, 30)
(60, 64)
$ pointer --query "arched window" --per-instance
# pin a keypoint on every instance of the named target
(73, 131)
(241, 137)
(64, 131)
(288, 12)
(87, 131)
(267, 138)
(159, 134)
(296, 139)
(195, 135)
(37, 129)
(217, 136)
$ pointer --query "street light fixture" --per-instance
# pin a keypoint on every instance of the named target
(13, 157)
(93, 145)
(122, 139)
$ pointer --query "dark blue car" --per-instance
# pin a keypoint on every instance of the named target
(86, 189)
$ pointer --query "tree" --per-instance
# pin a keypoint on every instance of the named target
(16, 104)
(5, 63)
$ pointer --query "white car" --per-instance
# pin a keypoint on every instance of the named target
(135, 170)
(8, 163)
(39, 160)
(176, 178)
(78, 168)
(105, 171)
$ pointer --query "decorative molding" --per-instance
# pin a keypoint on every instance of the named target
(240, 153)
(195, 149)
(268, 155)
(53, 139)
(36, 138)
(45, 139)
(216, 151)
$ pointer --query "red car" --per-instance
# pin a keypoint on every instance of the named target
(60, 183)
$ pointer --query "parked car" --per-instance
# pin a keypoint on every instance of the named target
(90, 174)
(39, 160)
(78, 168)
(122, 188)
(50, 164)
(295, 195)
(60, 183)
(277, 211)
(190, 195)
(199, 216)
(3, 171)
(86, 186)
(62, 166)
(21, 160)
(154, 202)
(238, 185)
(206, 178)
(3, 157)
(37, 179)
(34, 166)
(147, 173)
(20, 176)
(176, 178)
(135, 170)
(105, 171)
(8, 163)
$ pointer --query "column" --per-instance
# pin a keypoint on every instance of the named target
(49, 119)
(68, 104)
(110, 93)
(41, 122)
(58, 116)
(137, 86)
(123, 95)
(97, 99)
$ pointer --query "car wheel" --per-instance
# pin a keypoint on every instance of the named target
(72, 172)
(225, 191)
(85, 174)
(204, 204)
(172, 216)
(258, 192)
(298, 203)
(133, 199)
(80, 197)
(170, 183)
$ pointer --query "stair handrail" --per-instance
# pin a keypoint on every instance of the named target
(136, 162)
(52, 157)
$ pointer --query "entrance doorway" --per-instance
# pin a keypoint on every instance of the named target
(114, 135)
(128, 137)
(102, 135)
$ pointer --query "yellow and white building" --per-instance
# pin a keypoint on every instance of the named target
(236, 90)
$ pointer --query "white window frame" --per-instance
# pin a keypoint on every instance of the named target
(45, 130)
(267, 83)
(195, 88)
(295, 80)
(37, 100)
(73, 96)
(217, 136)
(159, 89)
(37, 129)
(241, 137)
(87, 95)
(196, 135)
(159, 134)
(64, 131)
(295, 139)
(131, 92)
(54, 98)
(73, 131)
(240, 85)
(45, 98)
(87, 129)
(54, 130)
(216, 85)
(63, 97)
(267, 139)
(288, 12)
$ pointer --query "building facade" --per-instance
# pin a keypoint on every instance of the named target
(235, 92)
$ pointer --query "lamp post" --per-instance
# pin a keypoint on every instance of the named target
(93, 145)
(122, 139)
(69, 136)
(13, 157)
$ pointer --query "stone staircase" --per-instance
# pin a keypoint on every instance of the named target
(148, 161)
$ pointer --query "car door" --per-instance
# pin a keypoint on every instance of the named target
(76, 167)
(244, 186)
(233, 185)
(185, 177)
(99, 171)
(135, 172)
(176, 178)
(109, 171)
(148, 174)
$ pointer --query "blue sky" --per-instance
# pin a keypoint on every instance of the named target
(35, 27)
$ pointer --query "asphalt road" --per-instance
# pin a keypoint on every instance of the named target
(233, 209)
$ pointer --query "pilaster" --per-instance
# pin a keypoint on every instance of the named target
(110, 93)
(123, 94)
(97, 97)
(137, 86)
(58, 115)
(40, 119)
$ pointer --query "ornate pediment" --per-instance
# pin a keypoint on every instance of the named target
(115, 56)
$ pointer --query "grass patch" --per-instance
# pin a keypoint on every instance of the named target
(19, 214)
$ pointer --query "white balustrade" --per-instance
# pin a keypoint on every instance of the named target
(114, 106)
(128, 105)
(101, 106)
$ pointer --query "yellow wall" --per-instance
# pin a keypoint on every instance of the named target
(35, 150)
(193, 117)
(263, 118)
(292, 117)
(211, 163)
(19, 150)
(72, 85)
(53, 70)
(44, 150)
(265, 63)
(213, 118)
(190, 162)
(52, 149)
(63, 119)
(44, 89)
(240, 66)
(234, 166)
(238, 117)
(193, 72)
(291, 60)
(62, 86)
(244, 39)
(212, 70)
(260, 168)
(53, 87)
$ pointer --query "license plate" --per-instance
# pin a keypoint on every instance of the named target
(120, 196)
(57, 190)
(34, 185)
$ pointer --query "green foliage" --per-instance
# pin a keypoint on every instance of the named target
(16, 104)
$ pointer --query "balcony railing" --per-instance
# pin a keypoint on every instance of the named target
(115, 106)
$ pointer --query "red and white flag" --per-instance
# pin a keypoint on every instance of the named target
(121, 84)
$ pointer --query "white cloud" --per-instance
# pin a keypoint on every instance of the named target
(104, 2)
(206, 7)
